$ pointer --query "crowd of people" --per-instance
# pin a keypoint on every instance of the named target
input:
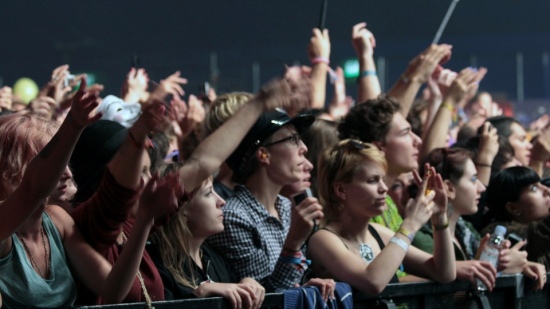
(143, 196)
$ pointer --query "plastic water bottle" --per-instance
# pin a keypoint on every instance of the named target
(491, 251)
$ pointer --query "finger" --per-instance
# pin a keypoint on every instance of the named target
(358, 27)
(426, 178)
(519, 244)
(323, 289)
(417, 178)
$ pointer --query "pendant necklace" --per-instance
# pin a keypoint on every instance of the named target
(366, 253)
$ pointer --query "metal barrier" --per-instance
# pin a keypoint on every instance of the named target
(511, 291)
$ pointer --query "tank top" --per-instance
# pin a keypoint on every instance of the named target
(22, 286)
(378, 239)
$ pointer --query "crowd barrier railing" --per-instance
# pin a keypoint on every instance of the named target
(511, 291)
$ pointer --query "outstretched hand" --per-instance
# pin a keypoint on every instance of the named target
(293, 91)
(83, 104)
(423, 65)
(158, 199)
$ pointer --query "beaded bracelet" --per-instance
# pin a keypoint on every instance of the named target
(448, 106)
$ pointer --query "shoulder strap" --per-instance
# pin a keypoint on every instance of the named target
(374, 233)
(324, 228)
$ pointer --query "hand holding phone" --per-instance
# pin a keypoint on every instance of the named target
(514, 239)
(301, 196)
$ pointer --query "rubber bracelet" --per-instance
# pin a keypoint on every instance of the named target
(400, 242)
(448, 106)
(405, 232)
(320, 60)
(365, 74)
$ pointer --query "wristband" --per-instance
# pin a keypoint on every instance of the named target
(483, 164)
(441, 227)
(400, 242)
(320, 60)
(134, 141)
(365, 74)
(405, 232)
(448, 106)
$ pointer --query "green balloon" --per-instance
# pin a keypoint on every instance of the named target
(26, 89)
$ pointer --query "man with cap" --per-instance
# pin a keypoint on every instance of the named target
(264, 234)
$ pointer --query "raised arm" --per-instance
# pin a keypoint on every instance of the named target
(215, 149)
(436, 136)
(364, 43)
(45, 169)
(319, 55)
(112, 283)
(416, 74)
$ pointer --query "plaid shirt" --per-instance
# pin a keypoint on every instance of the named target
(253, 239)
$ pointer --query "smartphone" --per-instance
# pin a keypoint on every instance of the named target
(301, 196)
(204, 89)
(514, 239)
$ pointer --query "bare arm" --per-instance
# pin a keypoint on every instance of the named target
(364, 43)
(126, 164)
(215, 149)
(436, 135)
(319, 54)
(416, 74)
(45, 169)
(113, 283)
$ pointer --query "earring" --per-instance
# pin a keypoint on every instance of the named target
(264, 155)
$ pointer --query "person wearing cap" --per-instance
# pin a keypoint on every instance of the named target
(264, 235)
(110, 164)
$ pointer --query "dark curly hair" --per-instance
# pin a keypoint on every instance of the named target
(369, 121)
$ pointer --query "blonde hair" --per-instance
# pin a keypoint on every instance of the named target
(174, 237)
(223, 108)
(22, 137)
(339, 164)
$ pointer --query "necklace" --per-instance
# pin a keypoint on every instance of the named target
(366, 253)
(33, 262)
(148, 302)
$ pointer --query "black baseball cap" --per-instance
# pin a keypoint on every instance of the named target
(267, 124)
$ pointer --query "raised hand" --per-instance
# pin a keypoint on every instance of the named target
(158, 199)
(170, 85)
(43, 107)
(134, 88)
(319, 45)
(290, 92)
(362, 40)
(423, 65)
(464, 83)
(420, 209)
(151, 118)
(6, 96)
(83, 104)
(488, 144)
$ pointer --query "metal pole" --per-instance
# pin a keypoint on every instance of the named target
(255, 76)
(519, 78)
(381, 68)
(445, 21)
(546, 74)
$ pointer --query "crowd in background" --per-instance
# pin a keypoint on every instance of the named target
(151, 195)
